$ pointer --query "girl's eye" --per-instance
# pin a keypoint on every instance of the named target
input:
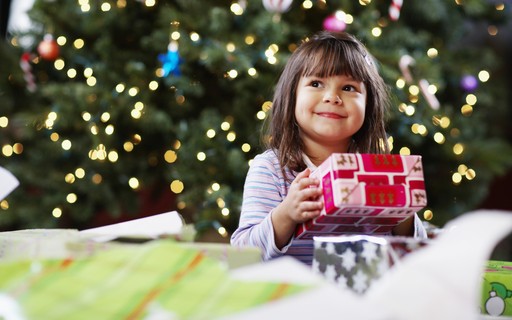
(349, 88)
(315, 84)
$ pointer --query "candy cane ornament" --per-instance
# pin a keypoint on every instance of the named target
(431, 98)
(277, 6)
(394, 9)
(404, 64)
(28, 76)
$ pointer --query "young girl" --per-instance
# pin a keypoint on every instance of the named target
(329, 99)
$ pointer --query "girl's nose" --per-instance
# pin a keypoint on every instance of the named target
(332, 98)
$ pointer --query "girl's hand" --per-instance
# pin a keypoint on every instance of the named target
(303, 203)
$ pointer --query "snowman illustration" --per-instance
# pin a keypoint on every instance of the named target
(495, 304)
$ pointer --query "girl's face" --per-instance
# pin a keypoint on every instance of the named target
(329, 112)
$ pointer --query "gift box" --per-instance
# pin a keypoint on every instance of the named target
(400, 246)
(366, 194)
(356, 261)
(497, 289)
(353, 262)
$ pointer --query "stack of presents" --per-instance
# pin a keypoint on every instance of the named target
(151, 268)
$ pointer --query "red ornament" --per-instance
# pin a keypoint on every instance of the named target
(48, 49)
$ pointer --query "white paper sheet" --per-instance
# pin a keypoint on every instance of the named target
(441, 281)
(294, 272)
(324, 301)
(169, 223)
(444, 279)
(8, 183)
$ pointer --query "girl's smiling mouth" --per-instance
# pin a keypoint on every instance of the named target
(331, 115)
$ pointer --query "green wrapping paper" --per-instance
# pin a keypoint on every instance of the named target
(159, 278)
(497, 289)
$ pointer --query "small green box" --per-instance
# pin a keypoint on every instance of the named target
(497, 289)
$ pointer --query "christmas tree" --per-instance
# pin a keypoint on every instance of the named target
(110, 106)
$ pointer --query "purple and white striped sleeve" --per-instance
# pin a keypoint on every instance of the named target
(264, 189)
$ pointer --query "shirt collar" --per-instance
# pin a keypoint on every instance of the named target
(308, 162)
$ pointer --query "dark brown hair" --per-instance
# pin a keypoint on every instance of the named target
(326, 54)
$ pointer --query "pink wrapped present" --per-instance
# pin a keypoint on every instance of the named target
(366, 194)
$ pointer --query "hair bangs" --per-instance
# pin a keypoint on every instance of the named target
(335, 58)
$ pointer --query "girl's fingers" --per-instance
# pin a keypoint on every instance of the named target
(305, 173)
(302, 175)
(307, 183)
(310, 193)
(311, 206)
(308, 215)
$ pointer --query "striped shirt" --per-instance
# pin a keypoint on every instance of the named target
(265, 188)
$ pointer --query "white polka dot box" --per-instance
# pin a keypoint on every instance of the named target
(366, 194)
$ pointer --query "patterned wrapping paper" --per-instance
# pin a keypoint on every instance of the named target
(366, 194)
(356, 261)
(353, 262)
(160, 279)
